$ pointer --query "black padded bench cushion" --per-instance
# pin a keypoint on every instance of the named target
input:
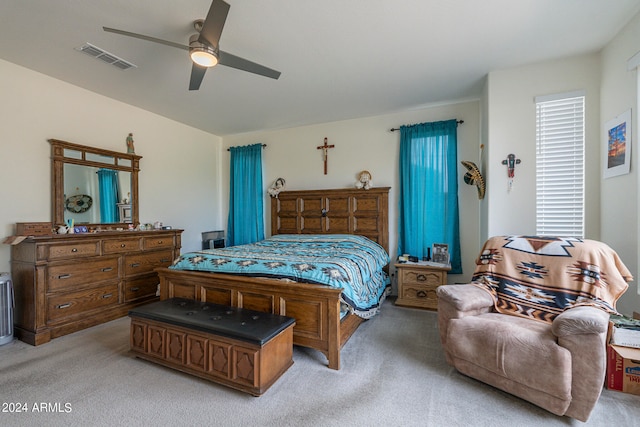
(231, 322)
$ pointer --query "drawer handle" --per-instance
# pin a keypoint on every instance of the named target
(421, 294)
(123, 245)
(64, 276)
(135, 289)
(105, 296)
(74, 250)
(165, 260)
(160, 242)
(135, 264)
(67, 305)
(106, 269)
(421, 277)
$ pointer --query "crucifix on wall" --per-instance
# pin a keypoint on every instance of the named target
(325, 153)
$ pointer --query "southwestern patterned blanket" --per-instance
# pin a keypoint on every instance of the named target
(539, 277)
(353, 263)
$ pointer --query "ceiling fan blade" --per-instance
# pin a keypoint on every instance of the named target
(143, 37)
(197, 74)
(214, 23)
(233, 61)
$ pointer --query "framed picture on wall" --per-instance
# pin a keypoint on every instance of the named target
(617, 145)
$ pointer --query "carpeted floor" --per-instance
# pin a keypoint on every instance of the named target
(393, 374)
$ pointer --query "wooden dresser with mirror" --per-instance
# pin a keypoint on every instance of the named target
(67, 282)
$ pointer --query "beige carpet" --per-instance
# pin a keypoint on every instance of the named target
(393, 374)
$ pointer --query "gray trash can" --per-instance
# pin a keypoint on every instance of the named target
(6, 308)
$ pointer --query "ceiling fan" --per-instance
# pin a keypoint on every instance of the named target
(204, 47)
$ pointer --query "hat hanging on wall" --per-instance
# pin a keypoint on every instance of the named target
(474, 177)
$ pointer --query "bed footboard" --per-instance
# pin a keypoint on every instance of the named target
(316, 308)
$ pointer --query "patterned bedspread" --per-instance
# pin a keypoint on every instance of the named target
(353, 263)
(540, 277)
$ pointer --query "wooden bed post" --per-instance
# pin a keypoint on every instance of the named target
(333, 352)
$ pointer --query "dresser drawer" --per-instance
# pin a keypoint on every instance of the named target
(73, 250)
(420, 296)
(73, 303)
(143, 287)
(121, 245)
(157, 242)
(81, 272)
(423, 277)
(145, 262)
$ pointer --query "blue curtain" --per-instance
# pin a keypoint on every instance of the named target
(246, 217)
(428, 208)
(109, 190)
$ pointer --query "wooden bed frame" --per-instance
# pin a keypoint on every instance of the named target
(316, 308)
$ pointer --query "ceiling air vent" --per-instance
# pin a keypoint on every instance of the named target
(105, 56)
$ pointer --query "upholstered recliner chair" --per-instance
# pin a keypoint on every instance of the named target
(533, 321)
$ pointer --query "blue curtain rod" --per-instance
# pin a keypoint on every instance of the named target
(263, 146)
(457, 121)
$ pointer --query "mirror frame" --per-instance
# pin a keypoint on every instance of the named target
(58, 160)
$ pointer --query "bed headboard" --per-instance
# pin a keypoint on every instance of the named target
(335, 211)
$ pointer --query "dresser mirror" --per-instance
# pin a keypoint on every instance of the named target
(93, 187)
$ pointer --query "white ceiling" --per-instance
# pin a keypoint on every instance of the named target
(339, 59)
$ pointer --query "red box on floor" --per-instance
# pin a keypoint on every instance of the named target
(623, 369)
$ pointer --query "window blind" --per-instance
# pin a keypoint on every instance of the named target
(560, 165)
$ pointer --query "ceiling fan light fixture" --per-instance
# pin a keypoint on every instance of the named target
(204, 46)
(201, 54)
(204, 58)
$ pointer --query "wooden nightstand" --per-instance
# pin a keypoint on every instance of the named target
(417, 284)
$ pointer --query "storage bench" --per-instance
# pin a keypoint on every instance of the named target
(244, 349)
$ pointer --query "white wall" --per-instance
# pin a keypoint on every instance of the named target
(611, 204)
(179, 177)
(512, 129)
(619, 207)
(485, 152)
(367, 144)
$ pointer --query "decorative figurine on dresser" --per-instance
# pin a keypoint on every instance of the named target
(130, 147)
(67, 282)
